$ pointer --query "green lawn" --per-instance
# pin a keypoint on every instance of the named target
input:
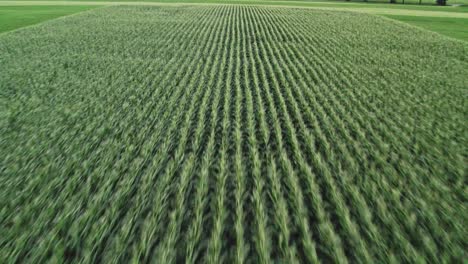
(452, 27)
(13, 17)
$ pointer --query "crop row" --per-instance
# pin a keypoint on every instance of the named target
(231, 134)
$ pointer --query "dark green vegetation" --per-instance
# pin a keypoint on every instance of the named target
(449, 26)
(13, 17)
(255, 134)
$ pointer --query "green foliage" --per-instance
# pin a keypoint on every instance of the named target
(231, 134)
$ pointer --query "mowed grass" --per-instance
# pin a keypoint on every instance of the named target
(230, 133)
(13, 17)
(452, 27)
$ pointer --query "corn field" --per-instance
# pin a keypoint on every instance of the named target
(232, 134)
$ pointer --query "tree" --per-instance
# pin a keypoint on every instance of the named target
(441, 2)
